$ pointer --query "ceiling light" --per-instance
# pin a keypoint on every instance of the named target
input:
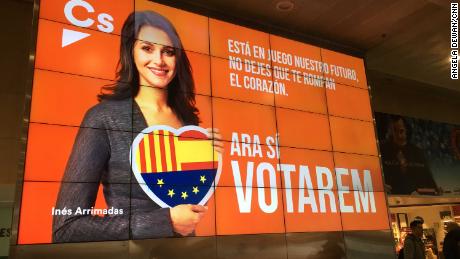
(284, 5)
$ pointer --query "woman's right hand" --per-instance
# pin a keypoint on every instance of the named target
(185, 217)
(214, 134)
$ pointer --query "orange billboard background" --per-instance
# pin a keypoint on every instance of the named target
(305, 123)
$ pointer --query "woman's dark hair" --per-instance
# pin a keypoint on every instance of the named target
(181, 90)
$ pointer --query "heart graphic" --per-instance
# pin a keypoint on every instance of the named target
(176, 166)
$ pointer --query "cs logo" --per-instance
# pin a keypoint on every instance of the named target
(70, 36)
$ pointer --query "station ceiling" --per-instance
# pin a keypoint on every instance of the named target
(404, 38)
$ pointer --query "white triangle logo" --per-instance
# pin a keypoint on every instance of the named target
(69, 37)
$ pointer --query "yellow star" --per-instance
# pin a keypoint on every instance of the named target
(184, 195)
(195, 190)
(171, 193)
(160, 182)
(202, 179)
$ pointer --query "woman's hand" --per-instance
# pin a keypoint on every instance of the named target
(185, 217)
(213, 133)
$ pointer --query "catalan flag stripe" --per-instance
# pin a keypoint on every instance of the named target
(162, 150)
(173, 152)
(153, 161)
(148, 161)
(167, 151)
(142, 155)
(156, 138)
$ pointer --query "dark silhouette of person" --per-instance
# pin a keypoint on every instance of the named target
(413, 244)
(451, 247)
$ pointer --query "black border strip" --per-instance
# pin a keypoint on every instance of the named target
(25, 126)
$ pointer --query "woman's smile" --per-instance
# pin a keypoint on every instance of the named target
(159, 71)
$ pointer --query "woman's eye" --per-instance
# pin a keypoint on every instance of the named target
(147, 48)
(169, 52)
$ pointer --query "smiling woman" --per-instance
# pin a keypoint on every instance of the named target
(154, 87)
(152, 56)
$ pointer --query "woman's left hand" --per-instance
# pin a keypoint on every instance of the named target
(213, 133)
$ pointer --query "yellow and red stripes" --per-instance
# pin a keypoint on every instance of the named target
(162, 151)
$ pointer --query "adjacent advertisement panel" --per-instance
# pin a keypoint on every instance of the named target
(149, 122)
(419, 157)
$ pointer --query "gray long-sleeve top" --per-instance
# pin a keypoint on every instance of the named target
(100, 155)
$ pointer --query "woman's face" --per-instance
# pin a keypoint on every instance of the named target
(155, 57)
